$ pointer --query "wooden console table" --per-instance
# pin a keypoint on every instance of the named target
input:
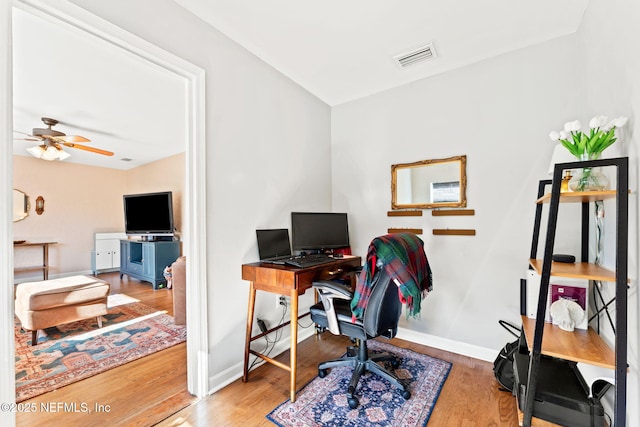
(45, 258)
(292, 281)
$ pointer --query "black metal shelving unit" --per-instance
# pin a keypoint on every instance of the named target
(584, 270)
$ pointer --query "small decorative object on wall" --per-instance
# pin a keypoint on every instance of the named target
(428, 184)
(20, 205)
(588, 146)
(39, 205)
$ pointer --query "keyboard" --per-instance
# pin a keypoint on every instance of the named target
(303, 261)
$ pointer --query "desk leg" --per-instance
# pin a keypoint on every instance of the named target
(294, 342)
(247, 342)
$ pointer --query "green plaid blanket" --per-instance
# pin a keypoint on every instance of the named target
(402, 256)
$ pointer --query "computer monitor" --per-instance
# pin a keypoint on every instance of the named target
(317, 231)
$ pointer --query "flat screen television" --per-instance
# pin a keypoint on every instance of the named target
(317, 231)
(149, 215)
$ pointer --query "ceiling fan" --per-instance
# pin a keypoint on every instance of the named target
(53, 141)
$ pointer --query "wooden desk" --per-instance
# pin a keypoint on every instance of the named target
(45, 257)
(285, 280)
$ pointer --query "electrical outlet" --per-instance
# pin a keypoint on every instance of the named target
(282, 301)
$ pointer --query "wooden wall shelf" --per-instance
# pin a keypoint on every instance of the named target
(454, 232)
(404, 213)
(404, 230)
(453, 212)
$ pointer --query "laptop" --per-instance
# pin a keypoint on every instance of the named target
(273, 245)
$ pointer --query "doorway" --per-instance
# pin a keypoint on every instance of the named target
(194, 203)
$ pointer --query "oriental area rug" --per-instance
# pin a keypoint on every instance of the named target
(323, 402)
(78, 350)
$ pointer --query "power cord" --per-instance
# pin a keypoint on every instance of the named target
(270, 345)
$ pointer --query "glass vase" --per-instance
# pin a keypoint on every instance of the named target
(589, 178)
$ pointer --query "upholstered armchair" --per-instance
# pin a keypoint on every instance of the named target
(179, 286)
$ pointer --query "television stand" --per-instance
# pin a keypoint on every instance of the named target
(156, 238)
(146, 260)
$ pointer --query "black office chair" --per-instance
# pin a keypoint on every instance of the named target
(396, 264)
(380, 318)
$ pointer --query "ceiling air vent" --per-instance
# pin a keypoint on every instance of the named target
(415, 56)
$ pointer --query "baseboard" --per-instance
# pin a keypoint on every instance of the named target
(233, 373)
(469, 350)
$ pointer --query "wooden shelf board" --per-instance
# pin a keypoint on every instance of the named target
(404, 213)
(453, 212)
(577, 270)
(404, 230)
(580, 197)
(453, 232)
(578, 346)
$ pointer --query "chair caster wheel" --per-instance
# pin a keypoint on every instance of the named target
(395, 363)
(323, 373)
(353, 402)
(406, 395)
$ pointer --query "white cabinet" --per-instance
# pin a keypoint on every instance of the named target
(106, 255)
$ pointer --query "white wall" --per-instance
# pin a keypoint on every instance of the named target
(609, 44)
(499, 113)
(267, 140)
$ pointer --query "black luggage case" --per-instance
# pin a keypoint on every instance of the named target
(562, 396)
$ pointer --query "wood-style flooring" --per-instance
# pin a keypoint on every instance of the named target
(139, 393)
(152, 390)
(469, 397)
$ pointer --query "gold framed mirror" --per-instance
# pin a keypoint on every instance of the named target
(20, 205)
(429, 184)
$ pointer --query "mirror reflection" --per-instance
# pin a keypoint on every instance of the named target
(20, 205)
(429, 184)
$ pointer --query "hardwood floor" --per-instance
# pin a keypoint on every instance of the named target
(469, 397)
(152, 390)
(139, 393)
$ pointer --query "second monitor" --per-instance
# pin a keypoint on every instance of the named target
(319, 231)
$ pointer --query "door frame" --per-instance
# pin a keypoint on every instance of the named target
(194, 219)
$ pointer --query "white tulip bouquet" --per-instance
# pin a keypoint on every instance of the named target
(589, 145)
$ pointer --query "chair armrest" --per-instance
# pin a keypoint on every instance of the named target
(337, 289)
(328, 291)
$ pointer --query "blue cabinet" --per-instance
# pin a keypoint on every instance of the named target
(146, 260)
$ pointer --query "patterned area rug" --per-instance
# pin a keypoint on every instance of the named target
(78, 350)
(323, 402)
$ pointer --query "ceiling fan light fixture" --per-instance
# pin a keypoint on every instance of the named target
(36, 151)
(48, 153)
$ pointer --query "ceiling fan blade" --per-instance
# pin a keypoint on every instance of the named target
(84, 128)
(87, 148)
(33, 139)
(71, 138)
